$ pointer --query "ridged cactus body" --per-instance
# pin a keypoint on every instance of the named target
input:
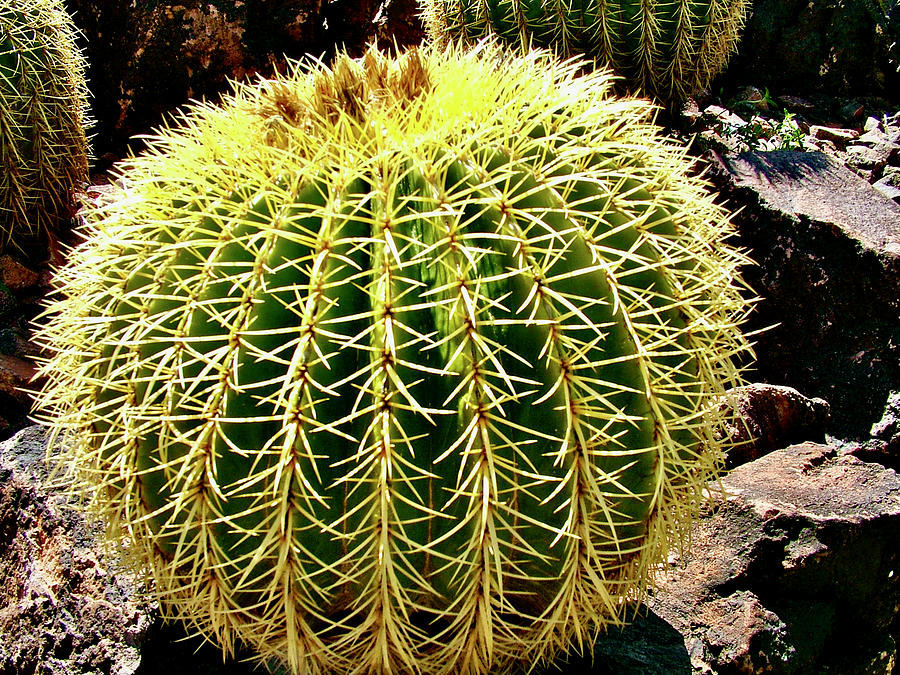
(400, 366)
(668, 49)
(43, 104)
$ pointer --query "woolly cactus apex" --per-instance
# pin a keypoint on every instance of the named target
(43, 103)
(399, 366)
(666, 49)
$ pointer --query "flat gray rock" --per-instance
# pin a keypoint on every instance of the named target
(815, 186)
(827, 250)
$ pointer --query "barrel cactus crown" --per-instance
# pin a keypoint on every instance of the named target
(668, 49)
(402, 365)
(43, 104)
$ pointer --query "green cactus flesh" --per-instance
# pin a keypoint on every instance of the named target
(669, 49)
(43, 103)
(399, 366)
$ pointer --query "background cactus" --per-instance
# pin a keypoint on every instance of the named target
(668, 49)
(400, 366)
(43, 103)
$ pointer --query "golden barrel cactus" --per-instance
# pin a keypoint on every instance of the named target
(402, 365)
(43, 115)
(667, 49)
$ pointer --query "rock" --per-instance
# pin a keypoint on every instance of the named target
(871, 157)
(887, 429)
(15, 375)
(833, 134)
(888, 189)
(872, 124)
(718, 114)
(753, 97)
(852, 111)
(768, 417)
(15, 276)
(827, 248)
(893, 134)
(399, 21)
(846, 48)
(646, 645)
(889, 184)
(793, 572)
(867, 161)
(884, 445)
(66, 606)
(15, 402)
(796, 104)
(148, 58)
(874, 136)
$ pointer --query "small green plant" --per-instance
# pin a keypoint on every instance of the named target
(43, 103)
(400, 366)
(789, 134)
(752, 100)
(666, 50)
(780, 131)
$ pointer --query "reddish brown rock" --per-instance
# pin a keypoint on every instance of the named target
(16, 276)
(767, 417)
(794, 571)
(833, 134)
(15, 376)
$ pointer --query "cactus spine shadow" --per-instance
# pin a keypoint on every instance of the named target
(402, 365)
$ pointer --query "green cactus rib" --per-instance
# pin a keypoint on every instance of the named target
(43, 114)
(668, 49)
(399, 366)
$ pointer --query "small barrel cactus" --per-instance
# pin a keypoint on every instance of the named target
(402, 365)
(43, 113)
(668, 50)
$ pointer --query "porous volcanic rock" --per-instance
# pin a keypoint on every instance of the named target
(66, 607)
(827, 248)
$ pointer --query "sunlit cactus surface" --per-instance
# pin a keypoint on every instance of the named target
(667, 49)
(401, 366)
(43, 107)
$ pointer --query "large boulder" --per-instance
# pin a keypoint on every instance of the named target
(827, 248)
(793, 571)
(844, 47)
